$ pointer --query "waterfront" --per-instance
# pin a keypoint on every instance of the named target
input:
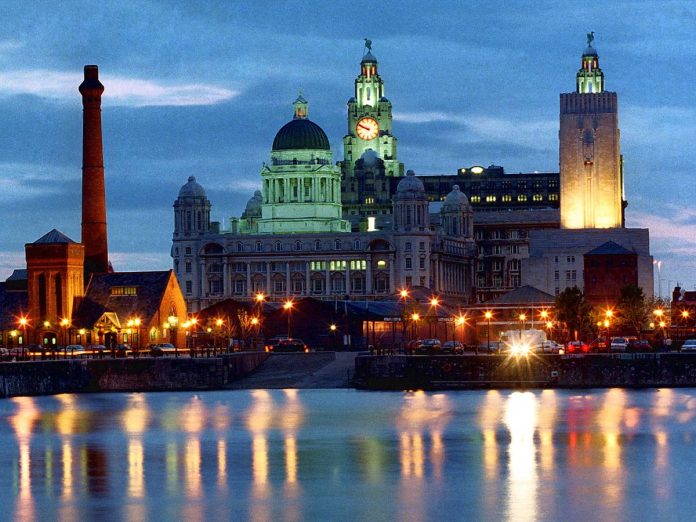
(349, 455)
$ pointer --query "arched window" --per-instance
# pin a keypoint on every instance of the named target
(317, 245)
(199, 221)
(258, 246)
(298, 245)
(240, 247)
(356, 244)
(278, 246)
(337, 244)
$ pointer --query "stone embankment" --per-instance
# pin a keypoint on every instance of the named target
(112, 375)
(246, 370)
(399, 372)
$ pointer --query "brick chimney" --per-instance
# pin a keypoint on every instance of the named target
(93, 192)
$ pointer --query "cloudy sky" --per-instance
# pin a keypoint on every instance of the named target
(202, 89)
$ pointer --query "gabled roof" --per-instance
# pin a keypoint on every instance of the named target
(54, 236)
(18, 274)
(99, 300)
(609, 248)
(523, 295)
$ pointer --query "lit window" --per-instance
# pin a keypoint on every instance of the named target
(507, 198)
(124, 290)
(381, 263)
(538, 197)
(522, 197)
(490, 199)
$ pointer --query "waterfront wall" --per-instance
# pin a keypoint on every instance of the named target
(143, 374)
(402, 372)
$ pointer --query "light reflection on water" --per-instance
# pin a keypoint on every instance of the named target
(340, 454)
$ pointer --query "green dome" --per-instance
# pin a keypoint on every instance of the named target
(301, 134)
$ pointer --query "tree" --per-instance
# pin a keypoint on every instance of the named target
(633, 308)
(574, 313)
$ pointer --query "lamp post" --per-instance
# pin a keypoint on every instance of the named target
(256, 324)
(685, 318)
(23, 324)
(173, 320)
(332, 329)
(287, 306)
(460, 320)
(403, 295)
(218, 326)
(522, 318)
(434, 302)
(488, 316)
(415, 317)
(65, 324)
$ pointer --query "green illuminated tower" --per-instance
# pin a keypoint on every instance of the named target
(369, 150)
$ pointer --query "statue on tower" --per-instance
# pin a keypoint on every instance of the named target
(590, 38)
(368, 45)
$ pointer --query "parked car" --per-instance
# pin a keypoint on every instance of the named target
(429, 346)
(689, 345)
(577, 347)
(618, 344)
(601, 344)
(18, 353)
(4, 353)
(454, 347)
(639, 345)
(161, 349)
(284, 345)
(77, 350)
(551, 347)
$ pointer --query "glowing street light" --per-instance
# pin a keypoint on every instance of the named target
(488, 315)
(287, 306)
(23, 322)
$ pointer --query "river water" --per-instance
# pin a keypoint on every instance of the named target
(296, 455)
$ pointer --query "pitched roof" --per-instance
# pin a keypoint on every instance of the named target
(99, 300)
(54, 236)
(609, 248)
(523, 295)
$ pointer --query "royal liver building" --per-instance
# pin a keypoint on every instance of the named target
(292, 239)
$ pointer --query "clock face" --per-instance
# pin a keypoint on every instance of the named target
(367, 129)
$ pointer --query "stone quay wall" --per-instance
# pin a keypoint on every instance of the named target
(123, 375)
(402, 372)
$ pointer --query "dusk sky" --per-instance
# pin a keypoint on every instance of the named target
(202, 89)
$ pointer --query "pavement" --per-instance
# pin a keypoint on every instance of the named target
(302, 371)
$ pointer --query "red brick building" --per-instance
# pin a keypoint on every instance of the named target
(608, 268)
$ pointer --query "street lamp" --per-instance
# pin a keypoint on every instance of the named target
(460, 320)
(434, 302)
(414, 324)
(256, 323)
(332, 329)
(522, 318)
(287, 306)
(173, 320)
(403, 295)
(65, 323)
(218, 327)
(488, 316)
(23, 323)
(685, 318)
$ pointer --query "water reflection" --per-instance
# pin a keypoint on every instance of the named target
(521, 421)
(23, 424)
(289, 454)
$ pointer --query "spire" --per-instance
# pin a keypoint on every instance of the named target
(590, 78)
(301, 108)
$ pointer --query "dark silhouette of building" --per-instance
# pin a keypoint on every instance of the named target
(608, 268)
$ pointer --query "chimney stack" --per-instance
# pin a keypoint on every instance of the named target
(93, 190)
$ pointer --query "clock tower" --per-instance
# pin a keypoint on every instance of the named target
(369, 139)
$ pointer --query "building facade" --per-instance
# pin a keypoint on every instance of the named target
(292, 240)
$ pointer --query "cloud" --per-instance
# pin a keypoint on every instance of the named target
(20, 181)
(10, 261)
(534, 134)
(120, 90)
(8, 46)
(140, 261)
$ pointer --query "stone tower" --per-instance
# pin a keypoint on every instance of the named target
(590, 159)
(94, 236)
(55, 276)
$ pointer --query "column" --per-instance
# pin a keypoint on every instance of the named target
(201, 278)
(288, 290)
(308, 289)
(249, 290)
(268, 279)
(347, 292)
(391, 274)
(327, 276)
(225, 278)
(368, 275)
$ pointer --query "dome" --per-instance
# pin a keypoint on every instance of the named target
(410, 186)
(192, 189)
(456, 198)
(369, 158)
(368, 58)
(589, 51)
(253, 206)
(301, 134)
